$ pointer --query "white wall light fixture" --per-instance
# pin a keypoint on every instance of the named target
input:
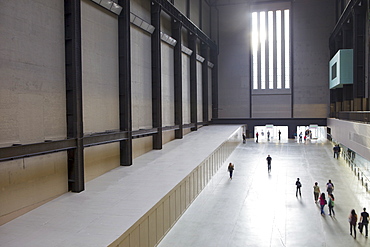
(110, 5)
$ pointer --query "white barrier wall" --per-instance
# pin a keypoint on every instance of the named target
(151, 228)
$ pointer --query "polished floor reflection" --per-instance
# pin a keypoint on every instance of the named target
(257, 208)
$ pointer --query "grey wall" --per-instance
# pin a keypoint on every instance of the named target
(312, 23)
(234, 95)
(311, 30)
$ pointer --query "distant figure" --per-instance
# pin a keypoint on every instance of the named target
(279, 135)
(268, 135)
(336, 150)
(244, 138)
(316, 192)
(329, 187)
(230, 168)
(352, 219)
(299, 185)
(364, 221)
(268, 163)
(331, 205)
(300, 136)
(257, 137)
(322, 203)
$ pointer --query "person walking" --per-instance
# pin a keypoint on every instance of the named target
(352, 219)
(268, 163)
(322, 203)
(364, 219)
(268, 135)
(279, 135)
(316, 192)
(329, 187)
(230, 168)
(331, 205)
(244, 138)
(257, 137)
(298, 189)
(336, 150)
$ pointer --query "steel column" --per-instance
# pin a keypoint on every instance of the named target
(214, 60)
(72, 18)
(193, 81)
(177, 35)
(124, 49)
(205, 82)
(359, 47)
(156, 74)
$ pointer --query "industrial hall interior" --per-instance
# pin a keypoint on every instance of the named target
(178, 123)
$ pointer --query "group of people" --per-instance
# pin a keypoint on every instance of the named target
(336, 150)
(322, 200)
(363, 222)
(352, 218)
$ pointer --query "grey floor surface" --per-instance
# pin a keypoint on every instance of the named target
(256, 208)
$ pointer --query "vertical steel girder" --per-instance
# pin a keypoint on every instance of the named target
(124, 50)
(176, 34)
(193, 81)
(214, 59)
(205, 55)
(156, 74)
(72, 18)
(359, 49)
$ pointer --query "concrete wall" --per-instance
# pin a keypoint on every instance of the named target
(185, 88)
(32, 77)
(311, 27)
(233, 76)
(33, 94)
(99, 85)
(32, 102)
(311, 30)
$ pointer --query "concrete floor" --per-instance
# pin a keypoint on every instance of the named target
(256, 208)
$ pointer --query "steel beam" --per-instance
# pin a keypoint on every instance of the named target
(176, 27)
(73, 64)
(205, 82)
(214, 59)
(125, 105)
(192, 39)
(156, 74)
(359, 50)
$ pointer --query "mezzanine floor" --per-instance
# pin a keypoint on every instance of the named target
(260, 209)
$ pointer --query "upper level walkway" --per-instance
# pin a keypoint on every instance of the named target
(113, 203)
(257, 208)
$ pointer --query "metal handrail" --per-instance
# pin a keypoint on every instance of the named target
(365, 181)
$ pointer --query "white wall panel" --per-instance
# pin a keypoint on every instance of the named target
(199, 92)
(32, 72)
(141, 79)
(99, 68)
(168, 90)
(185, 88)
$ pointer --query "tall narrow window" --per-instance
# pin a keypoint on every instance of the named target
(278, 50)
(263, 49)
(287, 49)
(255, 40)
(271, 49)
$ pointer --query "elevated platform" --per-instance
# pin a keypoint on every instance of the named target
(129, 206)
